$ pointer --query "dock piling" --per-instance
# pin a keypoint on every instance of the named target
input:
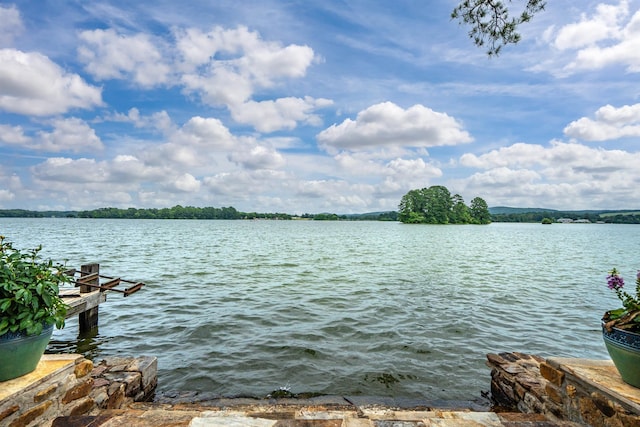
(88, 320)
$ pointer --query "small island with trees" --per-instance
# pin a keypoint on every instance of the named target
(436, 205)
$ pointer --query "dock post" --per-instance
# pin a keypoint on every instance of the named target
(88, 320)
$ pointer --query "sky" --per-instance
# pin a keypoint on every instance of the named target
(309, 106)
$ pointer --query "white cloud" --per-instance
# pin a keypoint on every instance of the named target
(561, 175)
(243, 52)
(226, 67)
(526, 188)
(10, 24)
(504, 178)
(32, 84)
(387, 124)
(321, 188)
(203, 144)
(258, 157)
(608, 37)
(206, 132)
(219, 87)
(622, 115)
(126, 168)
(282, 113)
(603, 25)
(627, 53)
(559, 156)
(108, 55)
(246, 184)
(13, 135)
(67, 170)
(190, 153)
(6, 195)
(410, 170)
(357, 164)
(200, 142)
(401, 175)
(223, 67)
(519, 187)
(159, 121)
(610, 123)
(334, 195)
(10, 185)
(519, 154)
(378, 180)
(71, 134)
(187, 183)
(85, 183)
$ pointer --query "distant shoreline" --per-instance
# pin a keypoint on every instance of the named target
(498, 214)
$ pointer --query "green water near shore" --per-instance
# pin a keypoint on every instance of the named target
(351, 308)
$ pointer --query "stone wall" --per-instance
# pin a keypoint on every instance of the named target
(60, 385)
(588, 392)
(70, 385)
(117, 382)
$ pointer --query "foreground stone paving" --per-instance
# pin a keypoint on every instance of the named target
(340, 413)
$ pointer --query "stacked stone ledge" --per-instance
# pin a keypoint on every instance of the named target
(70, 385)
(531, 384)
(120, 381)
(64, 391)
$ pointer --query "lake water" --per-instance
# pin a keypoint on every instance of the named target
(351, 308)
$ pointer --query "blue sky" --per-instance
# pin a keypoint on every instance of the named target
(314, 105)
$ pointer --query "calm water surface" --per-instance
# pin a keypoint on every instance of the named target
(370, 308)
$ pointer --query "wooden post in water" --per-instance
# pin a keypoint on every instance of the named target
(88, 320)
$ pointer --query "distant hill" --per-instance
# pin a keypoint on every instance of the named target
(606, 214)
(505, 210)
(507, 214)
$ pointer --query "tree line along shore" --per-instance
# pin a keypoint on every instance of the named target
(497, 214)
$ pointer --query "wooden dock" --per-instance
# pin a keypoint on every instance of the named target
(79, 303)
(89, 292)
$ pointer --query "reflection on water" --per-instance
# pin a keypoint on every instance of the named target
(352, 308)
(87, 343)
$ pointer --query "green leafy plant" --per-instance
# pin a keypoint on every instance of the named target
(29, 287)
(628, 316)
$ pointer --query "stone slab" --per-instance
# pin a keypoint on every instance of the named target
(240, 418)
(417, 403)
(221, 419)
(49, 364)
(601, 374)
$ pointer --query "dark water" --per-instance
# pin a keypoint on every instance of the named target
(371, 308)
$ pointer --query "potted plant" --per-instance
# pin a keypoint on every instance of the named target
(621, 330)
(30, 306)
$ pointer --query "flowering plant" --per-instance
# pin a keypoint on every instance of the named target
(627, 317)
